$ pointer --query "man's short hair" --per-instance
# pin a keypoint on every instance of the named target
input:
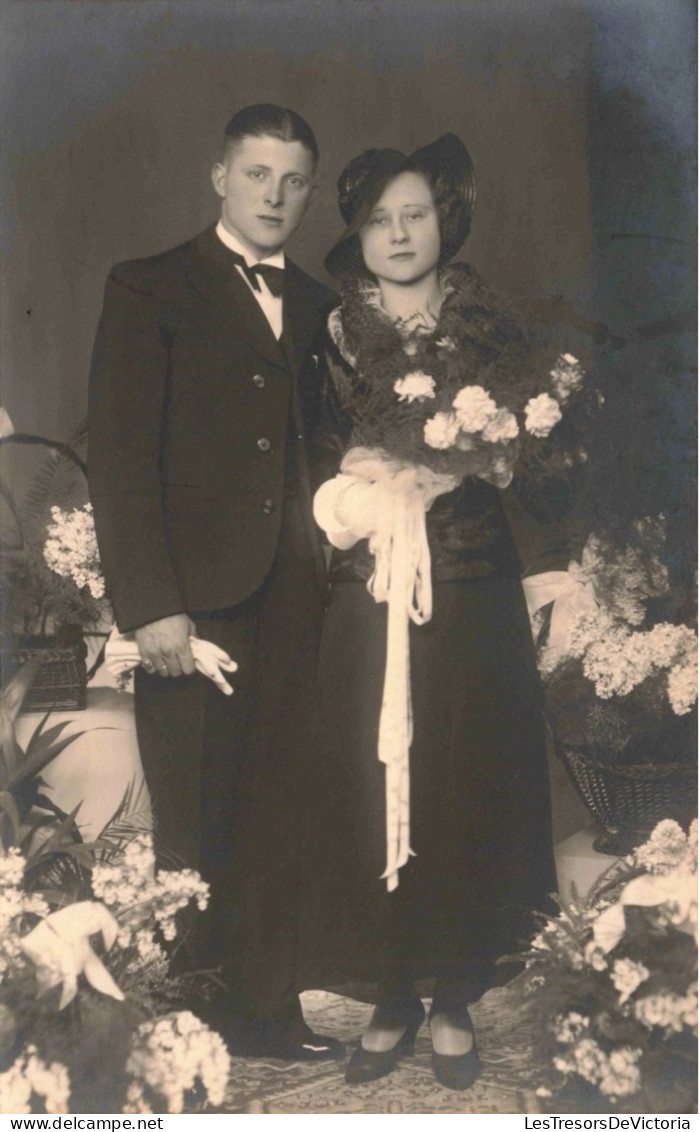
(267, 120)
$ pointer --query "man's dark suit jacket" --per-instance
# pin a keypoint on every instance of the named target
(189, 408)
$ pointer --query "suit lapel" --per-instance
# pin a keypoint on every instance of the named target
(211, 274)
(300, 317)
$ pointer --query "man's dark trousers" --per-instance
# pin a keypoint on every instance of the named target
(235, 811)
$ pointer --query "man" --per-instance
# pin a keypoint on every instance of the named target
(203, 388)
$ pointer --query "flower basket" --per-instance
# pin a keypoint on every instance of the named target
(61, 680)
(628, 801)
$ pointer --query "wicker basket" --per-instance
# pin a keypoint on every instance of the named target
(629, 801)
(61, 680)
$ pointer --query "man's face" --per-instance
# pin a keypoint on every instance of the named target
(266, 186)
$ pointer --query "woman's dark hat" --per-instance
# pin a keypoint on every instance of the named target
(448, 168)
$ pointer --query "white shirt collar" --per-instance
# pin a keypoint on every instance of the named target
(275, 260)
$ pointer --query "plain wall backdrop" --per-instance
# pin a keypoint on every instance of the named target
(114, 111)
(579, 115)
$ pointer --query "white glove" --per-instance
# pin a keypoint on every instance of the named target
(122, 655)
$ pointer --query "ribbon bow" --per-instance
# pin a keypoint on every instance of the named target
(385, 501)
(571, 594)
(60, 948)
(678, 889)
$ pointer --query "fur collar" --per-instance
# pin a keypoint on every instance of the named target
(472, 318)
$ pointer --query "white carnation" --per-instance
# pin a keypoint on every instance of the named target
(415, 386)
(501, 428)
(474, 408)
(441, 431)
(541, 415)
(567, 376)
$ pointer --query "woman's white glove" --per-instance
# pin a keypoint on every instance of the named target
(347, 508)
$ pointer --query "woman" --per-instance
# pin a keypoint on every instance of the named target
(438, 886)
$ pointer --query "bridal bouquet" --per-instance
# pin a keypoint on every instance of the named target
(464, 399)
(472, 430)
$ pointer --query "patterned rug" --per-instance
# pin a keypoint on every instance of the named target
(506, 1085)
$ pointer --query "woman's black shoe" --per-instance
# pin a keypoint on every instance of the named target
(456, 1071)
(367, 1065)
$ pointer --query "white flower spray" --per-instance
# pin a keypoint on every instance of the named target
(30, 1079)
(170, 1056)
(71, 549)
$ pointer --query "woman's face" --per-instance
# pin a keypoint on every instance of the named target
(401, 239)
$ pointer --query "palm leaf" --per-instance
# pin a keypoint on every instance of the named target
(57, 897)
(89, 853)
(41, 757)
(61, 478)
(30, 826)
(16, 689)
(45, 803)
(49, 736)
(10, 814)
(13, 539)
(121, 825)
(11, 699)
(7, 803)
(99, 659)
(11, 754)
(64, 829)
(59, 878)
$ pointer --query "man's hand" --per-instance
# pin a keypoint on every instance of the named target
(164, 645)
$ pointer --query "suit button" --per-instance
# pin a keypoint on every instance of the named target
(264, 444)
(268, 506)
(259, 380)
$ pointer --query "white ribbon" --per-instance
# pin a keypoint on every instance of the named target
(385, 501)
(678, 889)
(60, 949)
(571, 594)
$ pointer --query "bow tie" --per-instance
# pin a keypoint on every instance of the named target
(273, 276)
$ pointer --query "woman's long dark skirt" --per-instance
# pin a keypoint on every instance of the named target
(480, 806)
